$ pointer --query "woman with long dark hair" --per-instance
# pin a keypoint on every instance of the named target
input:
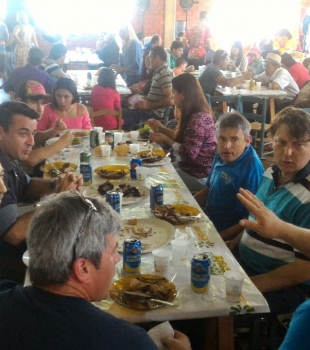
(105, 96)
(195, 138)
(238, 62)
(65, 106)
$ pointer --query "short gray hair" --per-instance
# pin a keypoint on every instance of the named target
(52, 236)
(233, 121)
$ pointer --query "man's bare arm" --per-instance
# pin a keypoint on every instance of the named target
(231, 232)
(18, 232)
(201, 197)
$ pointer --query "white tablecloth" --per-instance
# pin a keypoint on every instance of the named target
(192, 304)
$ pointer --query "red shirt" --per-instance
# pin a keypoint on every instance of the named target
(197, 37)
(299, 73)
(105, 98)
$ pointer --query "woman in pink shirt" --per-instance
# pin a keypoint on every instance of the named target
(65, 105)
(105, 96)
(297, 70)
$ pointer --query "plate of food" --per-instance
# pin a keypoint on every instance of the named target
(77, 141)
(155, 157)
(136, 291)
(112, 172)
(63, 167)
(80, 133)
(177, 214)
(132, 192)
(144, 133)
(153, 233)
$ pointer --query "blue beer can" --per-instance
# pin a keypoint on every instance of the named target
(132, 255)
(86, 172)
(134, 162)
(113, 198)
(156, 195)
(200, 273)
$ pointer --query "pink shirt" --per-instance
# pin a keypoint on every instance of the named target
(105, 98)
(300, 74)
(50, 116)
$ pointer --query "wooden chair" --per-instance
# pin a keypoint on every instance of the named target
(101, 112)
(223, 101)
(258, 123)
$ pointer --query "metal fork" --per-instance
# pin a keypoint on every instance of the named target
(54, 168)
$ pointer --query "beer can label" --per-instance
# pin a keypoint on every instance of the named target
(200, 273)
(132, 255)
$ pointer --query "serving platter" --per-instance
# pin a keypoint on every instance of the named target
(47, 168)
(146, 285)
(112, 172)
(177, 214)
(92, 191)
(160, 233)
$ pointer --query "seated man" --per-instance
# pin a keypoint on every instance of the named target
(159, 96)
(30, 71)
(278, 271)
(56, 311)
(180, 66)
(212, 75)
(176, 51)
(18, 125)
(235, 165)
(55, 59)
(257, 65)
(277, 78)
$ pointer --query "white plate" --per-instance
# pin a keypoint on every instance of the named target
(92, 191)
(164, 161)
(162, 234)
(54, 139)
(26, 258)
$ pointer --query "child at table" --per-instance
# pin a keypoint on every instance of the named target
(105, 96)
(65, 104)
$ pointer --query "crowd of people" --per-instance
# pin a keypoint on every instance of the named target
(214, 158)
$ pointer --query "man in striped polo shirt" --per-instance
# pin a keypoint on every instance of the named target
(159, 97)
(279, 270)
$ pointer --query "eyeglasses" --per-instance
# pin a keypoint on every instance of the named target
(224, 54)
(91, 208)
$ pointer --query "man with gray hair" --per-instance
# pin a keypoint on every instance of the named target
(72, 242)
(235, 165)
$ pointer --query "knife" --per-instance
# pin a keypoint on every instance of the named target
(143, 295)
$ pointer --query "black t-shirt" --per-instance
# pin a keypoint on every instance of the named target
(38, 320)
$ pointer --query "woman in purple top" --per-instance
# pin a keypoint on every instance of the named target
(195, 139)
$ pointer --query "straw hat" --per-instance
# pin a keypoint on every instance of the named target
(273, 58)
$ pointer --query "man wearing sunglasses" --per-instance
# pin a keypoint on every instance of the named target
(18, 125)
(212, 75)
(72, 263)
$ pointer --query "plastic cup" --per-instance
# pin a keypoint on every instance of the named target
(106, 150)
(258, 84)
(233, 74)
(141, 173)
(234, 281)
(118, 137)
(161, 261)
(134, 148)
(120, 201)
(134, 135)
(179, 248)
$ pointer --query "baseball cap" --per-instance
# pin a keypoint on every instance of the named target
(33, 90)
(254, 50)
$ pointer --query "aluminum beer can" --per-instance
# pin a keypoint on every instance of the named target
(94, 138)
(200, 273)
(113, 198)
(156, 195)
(132, 255)
(85, 157)
(134, 162)
(86, 172)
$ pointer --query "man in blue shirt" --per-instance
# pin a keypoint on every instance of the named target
(235, 165)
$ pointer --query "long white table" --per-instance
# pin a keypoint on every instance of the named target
(192, 305)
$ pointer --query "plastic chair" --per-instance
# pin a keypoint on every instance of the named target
(102, 112)
(258, 122)
(224, 100)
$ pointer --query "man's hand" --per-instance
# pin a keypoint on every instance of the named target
(59, 126)
(247, 75)
(267, 223)
(179, 342)
(69, 182)
(190, 68)
(66, 138)
(144, 104)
